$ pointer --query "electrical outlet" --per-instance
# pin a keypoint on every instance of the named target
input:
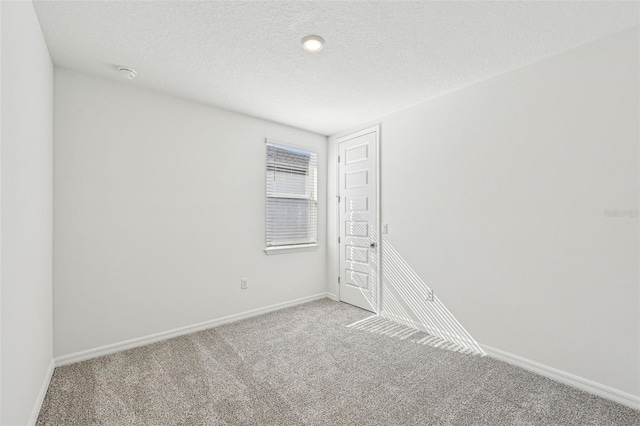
(385, 228)
(244, 283)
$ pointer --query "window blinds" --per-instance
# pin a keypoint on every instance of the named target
(292, 204)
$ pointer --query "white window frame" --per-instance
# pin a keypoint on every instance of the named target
(314, 197)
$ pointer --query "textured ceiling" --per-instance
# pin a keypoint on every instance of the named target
(379, 57)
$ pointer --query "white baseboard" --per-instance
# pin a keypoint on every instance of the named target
(581, 383)
(43, 392)
(164, 335)
(332, 297)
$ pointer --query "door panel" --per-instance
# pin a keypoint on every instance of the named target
(358, 217)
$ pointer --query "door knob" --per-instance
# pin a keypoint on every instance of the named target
(373, 244)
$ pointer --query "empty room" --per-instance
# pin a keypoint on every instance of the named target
(319, 213)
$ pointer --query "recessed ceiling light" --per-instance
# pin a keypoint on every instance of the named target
(127, 72)
(312, 43)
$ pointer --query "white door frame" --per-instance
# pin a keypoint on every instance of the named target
(371, 129)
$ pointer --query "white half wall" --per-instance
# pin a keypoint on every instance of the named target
(26, 214)
(160, 211)
(516, 199)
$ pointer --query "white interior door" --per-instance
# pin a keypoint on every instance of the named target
(358, 216)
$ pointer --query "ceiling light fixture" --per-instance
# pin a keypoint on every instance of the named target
(127, 72)
(312, 43)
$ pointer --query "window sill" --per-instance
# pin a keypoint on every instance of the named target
(290, 249)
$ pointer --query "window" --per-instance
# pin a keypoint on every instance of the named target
(292, 201)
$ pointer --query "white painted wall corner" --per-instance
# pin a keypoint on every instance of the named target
(43, 392)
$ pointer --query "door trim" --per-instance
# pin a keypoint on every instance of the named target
(370, 129)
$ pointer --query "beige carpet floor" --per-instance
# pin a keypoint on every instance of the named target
(304, 366)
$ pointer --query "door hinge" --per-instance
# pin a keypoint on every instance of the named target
(338, 197)
(338, 240)
(338, 158)
(338, 280)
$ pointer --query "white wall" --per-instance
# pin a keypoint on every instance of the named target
(495, 194)
(0, 213)
(27, 105)
(160, 211)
